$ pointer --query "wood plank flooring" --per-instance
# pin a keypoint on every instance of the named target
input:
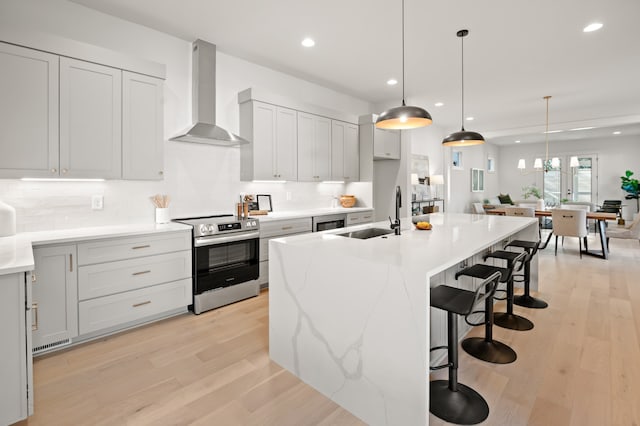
(580, 365)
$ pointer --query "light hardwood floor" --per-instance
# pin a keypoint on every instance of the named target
(580, 365)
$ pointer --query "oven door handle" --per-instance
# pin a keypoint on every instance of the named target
(210, 241)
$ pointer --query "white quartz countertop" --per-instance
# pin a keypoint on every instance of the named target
(295, 214)
(454, 238)
(16, 252)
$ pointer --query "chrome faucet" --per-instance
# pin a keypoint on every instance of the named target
(395, 224)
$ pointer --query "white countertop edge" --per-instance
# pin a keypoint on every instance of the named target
(296, 214)
(16, 252)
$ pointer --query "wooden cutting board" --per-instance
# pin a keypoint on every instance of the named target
(258, 212)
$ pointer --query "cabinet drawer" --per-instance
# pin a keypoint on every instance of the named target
(285, 227)
(360, 217)
(104, 312)
(116, 277)
(131, 247)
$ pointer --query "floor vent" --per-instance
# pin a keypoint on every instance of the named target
(48, 346)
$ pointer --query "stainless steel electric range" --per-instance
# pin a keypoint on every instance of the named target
(226, 252)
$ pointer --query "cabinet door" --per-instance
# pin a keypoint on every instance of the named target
(286, 144)
(142, 127)
(55, 295)
(14, 353)
(264, 141)
(90, 120)
(29, 111)
(337, 150)
(386, 144)
(351, 153)
(314, 146)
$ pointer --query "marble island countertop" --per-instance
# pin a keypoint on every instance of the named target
(453, 238)
(16, 252)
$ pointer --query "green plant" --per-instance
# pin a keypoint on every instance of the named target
(531, 190)
(631, 186)
(564, 200)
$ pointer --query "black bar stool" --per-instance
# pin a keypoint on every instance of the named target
(486, 348)
(449, 400)
(526, 300)
(515, 262)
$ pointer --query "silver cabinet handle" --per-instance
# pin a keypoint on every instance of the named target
(285, 228)
(34, 308)
(33, 277)
(135, 305)
(54, 170)
(140, 247)
(141, 273)
(64, 171)
(160, 172)
(70, 262)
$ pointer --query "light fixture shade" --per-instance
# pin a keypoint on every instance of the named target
(414, 179)
(537, 164)
(463, 138)
(573, 162)
(555, 162)
(521, 164)
(403, 118)
(436, 180)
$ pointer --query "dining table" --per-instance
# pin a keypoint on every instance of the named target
(600, 218)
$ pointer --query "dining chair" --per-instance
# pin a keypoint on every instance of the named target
(478, 208)
(569, 223)
(629, 232)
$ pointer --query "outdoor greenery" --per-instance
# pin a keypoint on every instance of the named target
(630, 185)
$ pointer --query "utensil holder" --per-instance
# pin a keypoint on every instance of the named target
(162, 215)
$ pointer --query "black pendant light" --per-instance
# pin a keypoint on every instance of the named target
(403, 117)
(463, 137)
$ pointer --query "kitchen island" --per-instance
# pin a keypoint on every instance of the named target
(351, 317)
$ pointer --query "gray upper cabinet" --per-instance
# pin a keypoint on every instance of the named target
(142, 127)
(29, 111)
(386, 144)
(345, 153)
(64, 117)
(272, 151)
(314, 148)
(90, 120)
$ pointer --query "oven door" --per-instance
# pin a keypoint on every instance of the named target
(225, 261)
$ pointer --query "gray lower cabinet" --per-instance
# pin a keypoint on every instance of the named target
(275, 229)
(15, 352)
(55, 296)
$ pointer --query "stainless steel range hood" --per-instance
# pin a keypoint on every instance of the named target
(203, 98)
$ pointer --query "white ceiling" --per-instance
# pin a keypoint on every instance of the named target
(517, 51)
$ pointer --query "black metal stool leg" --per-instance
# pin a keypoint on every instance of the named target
(485, 348)
(452, 401)
(526, 299)
(509, 319)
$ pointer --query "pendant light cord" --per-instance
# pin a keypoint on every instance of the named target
(546, 137)
(403, 76)
(462, 78)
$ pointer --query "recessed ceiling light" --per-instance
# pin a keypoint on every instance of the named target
(308, 42)
(470, 119)
(438, 104)
(517, 141)
(553, 131)
(617, 132)
(581, 128)
(595, 26)
(392, 82)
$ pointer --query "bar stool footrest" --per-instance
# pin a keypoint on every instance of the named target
(464, 406)
(489, 351)
(439, 367)
(475, 324)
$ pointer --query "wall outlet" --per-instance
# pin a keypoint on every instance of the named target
(97, 202)
(288, 195)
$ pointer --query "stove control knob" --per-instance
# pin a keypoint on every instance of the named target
(202, 229)
(248, 224)
(253, 223)
(210, 229)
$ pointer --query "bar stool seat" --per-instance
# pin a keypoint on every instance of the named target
(515, 262)
(526, 300)
(449, 400)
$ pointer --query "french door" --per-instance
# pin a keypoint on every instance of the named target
(565, 183)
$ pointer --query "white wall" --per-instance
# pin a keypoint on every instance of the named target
(201, 179)
(615, 155)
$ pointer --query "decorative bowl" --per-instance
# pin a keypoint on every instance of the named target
(347, 200)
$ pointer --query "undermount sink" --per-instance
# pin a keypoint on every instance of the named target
(367, 233)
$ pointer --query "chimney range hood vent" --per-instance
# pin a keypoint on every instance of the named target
(203, 98)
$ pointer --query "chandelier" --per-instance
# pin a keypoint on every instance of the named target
(548, 164)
